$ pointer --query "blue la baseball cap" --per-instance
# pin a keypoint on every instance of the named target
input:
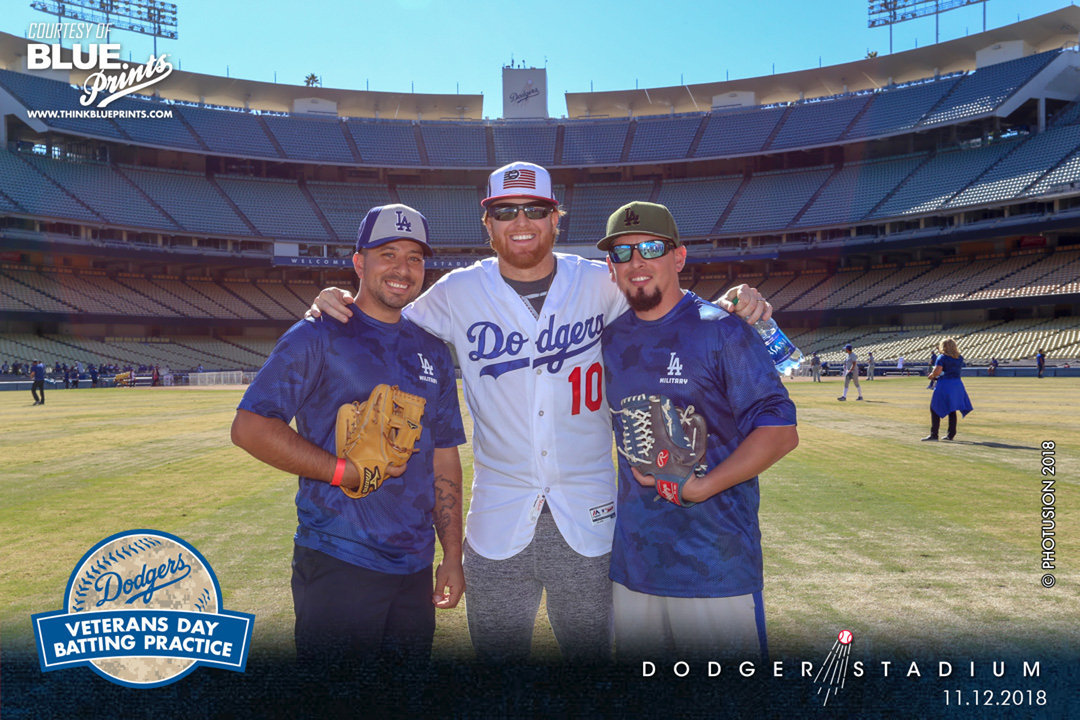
(388, 223)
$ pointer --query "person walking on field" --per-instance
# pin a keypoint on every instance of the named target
(851, 372)
(950, 395)
(37, 373)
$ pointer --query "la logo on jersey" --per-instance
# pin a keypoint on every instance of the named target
(427, 369)
(674, 372)
(403, 223)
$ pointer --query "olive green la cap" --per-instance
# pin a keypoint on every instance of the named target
(640, 218)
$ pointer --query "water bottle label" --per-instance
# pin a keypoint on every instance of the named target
(779, 347)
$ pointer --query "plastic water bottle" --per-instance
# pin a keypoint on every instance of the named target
(785, 356)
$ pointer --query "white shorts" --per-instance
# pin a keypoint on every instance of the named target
(652, 626)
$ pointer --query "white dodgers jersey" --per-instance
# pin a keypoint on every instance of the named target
(535, 389)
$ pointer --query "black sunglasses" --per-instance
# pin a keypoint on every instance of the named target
(506, 213)
(648, 250)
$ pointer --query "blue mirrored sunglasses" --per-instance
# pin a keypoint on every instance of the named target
(648, 250)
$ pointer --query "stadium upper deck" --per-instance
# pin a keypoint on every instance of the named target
(930, 144)
(994, 91)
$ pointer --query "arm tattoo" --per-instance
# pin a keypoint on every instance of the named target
(446, 511)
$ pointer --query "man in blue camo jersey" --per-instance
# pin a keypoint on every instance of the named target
(362, 567)
(688, 579)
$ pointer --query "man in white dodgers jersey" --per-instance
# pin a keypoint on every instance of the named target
(686, 563)
(526, 328)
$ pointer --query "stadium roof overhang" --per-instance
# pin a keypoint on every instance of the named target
(1049, 31)
(274, 97)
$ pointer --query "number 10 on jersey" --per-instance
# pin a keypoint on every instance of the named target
(590, 388)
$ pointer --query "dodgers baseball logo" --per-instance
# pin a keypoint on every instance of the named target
(143, 609)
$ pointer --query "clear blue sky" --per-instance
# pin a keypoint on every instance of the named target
(447, 46)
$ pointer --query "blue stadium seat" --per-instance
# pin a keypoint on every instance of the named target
(663, 139)
(315, 139)
(738, 133)
(594, 142)
(390, 142)
(528, 141)
(454, 144)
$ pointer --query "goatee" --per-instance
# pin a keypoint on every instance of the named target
(640, 302)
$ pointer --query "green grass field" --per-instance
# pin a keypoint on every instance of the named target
(916, 547)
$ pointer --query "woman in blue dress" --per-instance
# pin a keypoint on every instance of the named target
(950, 395)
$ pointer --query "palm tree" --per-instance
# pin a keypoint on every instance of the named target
(313, 80)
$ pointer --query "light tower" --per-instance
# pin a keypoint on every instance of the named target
(149, 17)
(890, 12)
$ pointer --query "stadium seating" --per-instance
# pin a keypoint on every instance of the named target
(855, 190)
(189, 199)
(1021, 167)
(229, 132)
(978, 276)
(109, 194)
(931, 186)
(345, 204)
(455, 145)
(285, 305)
(593, 204)
(986, 88)
(314, 139)
(594, 142)
(1050, 274)
(34, 290)
(529, 141)
(224, 298)
(205, 306)
(935, 281)
(697, 204)
(240, 133)
(878, 282)
(38, 195)
(798, 287)
(771, 199)
(277, 208)
(37, 92)
(1063, 176)
(897, 110)
(817, 123)
(738, 133)
(453, 212)
(389, 142)
(666, 138)
(146, 129)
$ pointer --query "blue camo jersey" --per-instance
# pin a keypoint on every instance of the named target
(316, 367)
(696, 355)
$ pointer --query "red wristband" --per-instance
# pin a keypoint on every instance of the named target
(339, 472)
